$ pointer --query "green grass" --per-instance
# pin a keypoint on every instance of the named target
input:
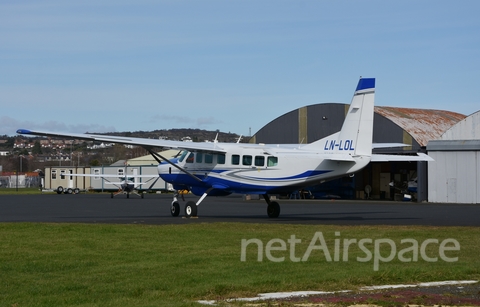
(175, 265)
(19, 191)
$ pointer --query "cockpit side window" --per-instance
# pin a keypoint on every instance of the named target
(190, 158)
(272, 161)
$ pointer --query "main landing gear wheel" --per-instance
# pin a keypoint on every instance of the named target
(175, 209)
(273, 209)
(190, 209)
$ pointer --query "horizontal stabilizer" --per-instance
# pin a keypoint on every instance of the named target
(387, 158)
(388, 145)
(337, 157)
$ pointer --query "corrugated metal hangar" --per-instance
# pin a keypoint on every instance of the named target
(454, 176)
(414, 127)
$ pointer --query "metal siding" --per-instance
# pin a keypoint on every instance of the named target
(477, 184)
(302, 125)
(423, 125)
(324, 119)
(466, 177)
(466, 129)
(284, 129)
(451, 173)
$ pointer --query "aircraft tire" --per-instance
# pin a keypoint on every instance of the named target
(111, 195)
(141, 195)
(175, 209)
(128, 195)
(273, 210)
(190, 209)
(60, 190)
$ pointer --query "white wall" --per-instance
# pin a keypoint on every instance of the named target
(454, 177)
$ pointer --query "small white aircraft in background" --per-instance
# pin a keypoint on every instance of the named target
(223, 168)
(127, 185)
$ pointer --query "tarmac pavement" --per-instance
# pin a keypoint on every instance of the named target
(155, 209)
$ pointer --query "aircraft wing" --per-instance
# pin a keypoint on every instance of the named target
(387, 158)
(210, 147)
(110, 176)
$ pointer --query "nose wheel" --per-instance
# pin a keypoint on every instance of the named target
(190, 209)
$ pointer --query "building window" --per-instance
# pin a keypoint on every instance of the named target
(96, 172)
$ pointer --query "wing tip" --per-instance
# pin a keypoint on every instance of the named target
(24, 131)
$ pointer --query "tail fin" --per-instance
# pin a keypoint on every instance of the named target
(356, 135)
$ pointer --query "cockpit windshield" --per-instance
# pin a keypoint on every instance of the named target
(183, 155)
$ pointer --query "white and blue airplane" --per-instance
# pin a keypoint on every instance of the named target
(224, 168)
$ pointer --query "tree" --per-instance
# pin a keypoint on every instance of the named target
(37, 149)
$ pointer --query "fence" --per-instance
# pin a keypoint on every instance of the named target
(24, 180)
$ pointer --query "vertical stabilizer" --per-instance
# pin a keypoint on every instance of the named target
(358, 125)
(355, 138)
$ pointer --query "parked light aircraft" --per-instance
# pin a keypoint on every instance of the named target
(223, 168)
(127, 185)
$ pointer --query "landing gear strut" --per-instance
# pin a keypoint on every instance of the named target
(190, 207)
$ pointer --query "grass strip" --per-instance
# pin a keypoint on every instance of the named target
(175, 265)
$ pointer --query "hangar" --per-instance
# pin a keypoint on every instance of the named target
(454, 176)
(414, 127)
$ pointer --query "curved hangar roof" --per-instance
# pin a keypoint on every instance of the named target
(391, 125)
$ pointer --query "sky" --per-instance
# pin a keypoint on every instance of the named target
(235, 66)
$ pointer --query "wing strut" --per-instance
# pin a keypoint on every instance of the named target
(158, 156)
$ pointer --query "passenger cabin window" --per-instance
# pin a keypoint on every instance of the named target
(54, 174)
(190, 158)
(259, 160)
(272, 161)
(209, 158)
(96, 173)
(199, 157)
(247, 160)
(62, 175)
(120, 172)
(221, 158)
(235, 159)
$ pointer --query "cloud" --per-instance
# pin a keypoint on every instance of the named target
(9, 126)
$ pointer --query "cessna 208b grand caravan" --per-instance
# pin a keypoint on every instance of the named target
(224, 168)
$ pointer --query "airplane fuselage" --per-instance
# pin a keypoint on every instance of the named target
(255, 171)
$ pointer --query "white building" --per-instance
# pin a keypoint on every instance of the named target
(454, 176)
